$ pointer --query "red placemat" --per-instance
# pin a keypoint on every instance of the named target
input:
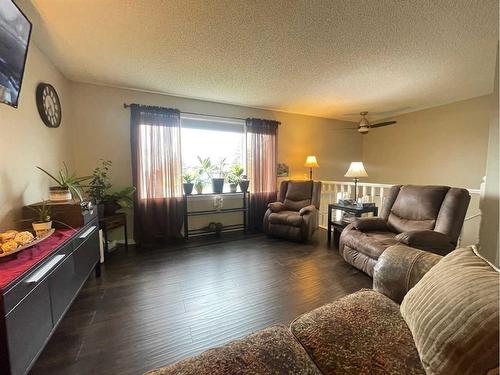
(12, 268)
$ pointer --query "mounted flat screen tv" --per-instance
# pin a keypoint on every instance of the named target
(15, 31)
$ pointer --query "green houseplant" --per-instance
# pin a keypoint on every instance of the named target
(99, 184)
(216, 172)
(188, 182)
(68, 185)
(199, 183)
(42, 223)
(235, 177)
(123, 198)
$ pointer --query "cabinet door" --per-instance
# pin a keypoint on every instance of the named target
(87, 254)
(64, 284)
(28, 326)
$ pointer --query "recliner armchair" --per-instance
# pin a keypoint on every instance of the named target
(424, 217)
(295, 215)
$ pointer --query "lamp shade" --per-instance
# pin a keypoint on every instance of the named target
(311, 162)
(356, 169)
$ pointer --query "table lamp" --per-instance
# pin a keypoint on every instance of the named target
(311, 162)
(356, 170)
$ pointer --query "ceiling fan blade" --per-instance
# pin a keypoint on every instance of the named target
(380, 124)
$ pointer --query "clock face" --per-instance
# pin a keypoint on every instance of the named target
(48, 104)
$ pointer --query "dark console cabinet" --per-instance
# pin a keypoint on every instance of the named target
(36, 302)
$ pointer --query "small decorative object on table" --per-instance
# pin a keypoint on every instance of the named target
(42, 223)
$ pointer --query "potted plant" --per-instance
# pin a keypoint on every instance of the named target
(244, 183)
(42, 224)
(99, 184)
(199, 184)
(188, 184)
(233, 182)
(68, 185)
(117, 200)
(234, 177)
(216, 172)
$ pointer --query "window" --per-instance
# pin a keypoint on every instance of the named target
(214, 138)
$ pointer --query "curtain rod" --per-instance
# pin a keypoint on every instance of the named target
(125, 105)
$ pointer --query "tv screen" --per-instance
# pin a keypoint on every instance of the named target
(15, 30)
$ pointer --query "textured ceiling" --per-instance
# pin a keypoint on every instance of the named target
(324, 58)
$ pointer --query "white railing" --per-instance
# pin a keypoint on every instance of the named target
(378, 193)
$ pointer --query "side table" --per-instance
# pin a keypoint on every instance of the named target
(338, 226)
(112, 222)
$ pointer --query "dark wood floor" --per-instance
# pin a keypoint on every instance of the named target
(154, 307)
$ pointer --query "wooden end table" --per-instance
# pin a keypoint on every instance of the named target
(112, 222)
(338, 226)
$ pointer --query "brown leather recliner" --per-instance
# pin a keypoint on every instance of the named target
(424, 217)
(296, 214)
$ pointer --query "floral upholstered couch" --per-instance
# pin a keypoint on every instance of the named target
(426, 315)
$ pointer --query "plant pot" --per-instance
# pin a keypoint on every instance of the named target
(41, 227)
(217, 185)
(198, 188)
(233, 187)
(59, 194)
(110, 208)
(244, 185)
(188, 188)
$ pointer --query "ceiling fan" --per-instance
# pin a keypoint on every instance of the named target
(365, 126)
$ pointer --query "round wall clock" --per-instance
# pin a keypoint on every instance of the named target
(48, 104)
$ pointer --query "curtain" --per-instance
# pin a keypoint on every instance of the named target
(261, 168)
(155, 135)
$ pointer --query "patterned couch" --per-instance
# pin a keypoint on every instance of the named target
(368, 332)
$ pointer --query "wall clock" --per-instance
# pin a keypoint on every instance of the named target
(48, 104)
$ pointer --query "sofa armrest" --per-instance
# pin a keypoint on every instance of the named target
(307, 209)
(276, 206)
(399, 268)
(435, 242)
(370, 223)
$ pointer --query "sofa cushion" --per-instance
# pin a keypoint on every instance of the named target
(270, 351)
(416, 208)
(371, 243)
(291, 218)
(362, 333)
(453, 315)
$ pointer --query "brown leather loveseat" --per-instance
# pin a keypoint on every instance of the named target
(296, 214)
(424, 217)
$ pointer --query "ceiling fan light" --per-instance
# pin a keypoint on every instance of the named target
(363, 129)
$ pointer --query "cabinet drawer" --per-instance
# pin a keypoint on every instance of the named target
(64, 285)
(16, 293)
(28, 326)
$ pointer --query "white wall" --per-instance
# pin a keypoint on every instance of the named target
(490, 222)
(27, 142)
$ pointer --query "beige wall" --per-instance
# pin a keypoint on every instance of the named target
(100, 119)
(27, 142)
(489, 233)
(444, 145)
